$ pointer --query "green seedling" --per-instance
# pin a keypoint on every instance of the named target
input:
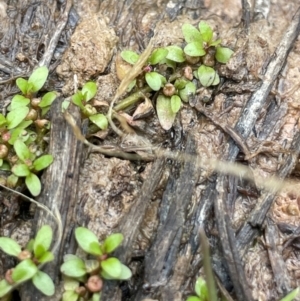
(200, 290)
(91, 272)
(82, 98)
(27, 166)
(35, 82)
(36, 253)
(24, 122)
(192, 65)
(200, 43)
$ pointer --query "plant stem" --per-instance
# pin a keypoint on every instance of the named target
(211, 286)
(132, 99)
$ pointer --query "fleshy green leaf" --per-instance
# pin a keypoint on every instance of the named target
(77, 99)
(43, 283)
(47, 99)
(191, 34)
(16, 133)
(129, 56)
(158, 55)
(207, 75)
(153, 79)
(70, 296)
(125, 273)
(194, 49)
(46, 257)
(215, 43)
(2, 120)
(91, 265)
(22, 150)
(20, 170)
(96, 297)
(15, 117)
(9, 246)
(70, 284)
(112, 242)
(175, 103)
(194, 298)
(89, 90)
(12, 180)
(180, 83)
(19, 101)
(100, 120)
(4, 288)
(29, 245)
(216, 80)
(43, 238)
(112, 266)
(87, 241)
(42, 162)
(201, 288)
(206, 31)
(25, 270)
(22, 85)
(33, 184)
(165, 114)
(38, 78)
(189, 89)
(73, 268)
(223, 54)
(175, 53)
(292, 295)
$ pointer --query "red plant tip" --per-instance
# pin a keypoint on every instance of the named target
(169, 89)
(6, 136)
(147, 69)
(3, 151)
(8, 277)
(103, 257)
(94, 284)
(25, 254)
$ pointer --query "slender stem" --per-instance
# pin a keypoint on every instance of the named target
(132, 99)
(211, 286)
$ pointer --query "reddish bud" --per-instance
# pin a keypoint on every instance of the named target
(94, 284)
(8, 276)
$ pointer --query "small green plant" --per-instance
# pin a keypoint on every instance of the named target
(82, 99)
(23, 131)
(200, 43)
(84, 277)
(27, 166)
(198, 60)
(35, 254)
(200, 290)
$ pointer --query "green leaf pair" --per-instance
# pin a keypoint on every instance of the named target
(198, 41)
(89, 242)
(28, 165)
(110, 268)
(35, 82)
(27, 269)
(81, 98)
(88, 91)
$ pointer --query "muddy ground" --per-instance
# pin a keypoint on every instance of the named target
(159, 206)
